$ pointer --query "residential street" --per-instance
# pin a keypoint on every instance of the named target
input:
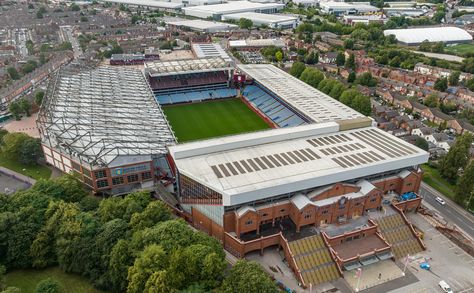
(451, 212)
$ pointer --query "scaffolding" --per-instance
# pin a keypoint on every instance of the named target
(99, 114)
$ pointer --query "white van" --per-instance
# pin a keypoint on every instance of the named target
(445, 286)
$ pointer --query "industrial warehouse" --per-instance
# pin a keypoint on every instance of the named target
(416, 36)
(312, 180)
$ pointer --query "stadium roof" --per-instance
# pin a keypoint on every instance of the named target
(254, 166)
(310, 102)
(261, 17)
(205, 11)
(99, 115)
(432, 34)
(163, 68)
(207, 50)
(149, 3)
(204, 25)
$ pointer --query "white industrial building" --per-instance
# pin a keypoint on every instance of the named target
(339, 8)
(216, 11)
(200, 25)
(306, 3)
(258, 44)
(161, 5)
(270, 20)
(415, 36)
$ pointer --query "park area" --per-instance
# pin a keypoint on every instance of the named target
(460, 49)
(27, 280)
(212, 119)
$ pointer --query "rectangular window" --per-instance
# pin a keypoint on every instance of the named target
(100, 174)
(306, 216)
(117, 180)
(324, 212)
(102, 183)
(76, 166)
(132, 178)
(249, 222)
(373, 199)
(146, 175)
(282, 210)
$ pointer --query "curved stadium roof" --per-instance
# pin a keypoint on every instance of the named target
(432, 34)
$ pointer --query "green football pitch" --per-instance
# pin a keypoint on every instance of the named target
(212, 119)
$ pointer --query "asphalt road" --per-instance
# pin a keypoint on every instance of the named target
(451, 212)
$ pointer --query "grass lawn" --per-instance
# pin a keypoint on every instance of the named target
(27, 280)
(460, 49)
(212, 119)
(432, 177)
(35, 172)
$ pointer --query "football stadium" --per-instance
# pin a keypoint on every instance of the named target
(248, 154)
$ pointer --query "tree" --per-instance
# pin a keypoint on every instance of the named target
(29, 46)
(30, 151)
(432, 100)
(352, 77)
(421, 143)
(39, 98)
(84, 19)
(356, 101)
(297, 69)
(75, 7)
(470, 84)
(248, 276)
(465, 185)
(121, 258)
(312, 58)
(454, 78)
(13, 73)
(152, 259)
(349, 44)
(25, 106)
(279, 56)
(340, 59)
(366, 79)
(441, 84)
(39, 15)
(15, 109)
(350, 62)
(245, 23)
(48, 286)
(155, 212)
(312, 77)
(457, 157)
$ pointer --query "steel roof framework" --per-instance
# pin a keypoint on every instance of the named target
(98, 114)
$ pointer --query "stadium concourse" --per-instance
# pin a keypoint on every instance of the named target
(270, 162)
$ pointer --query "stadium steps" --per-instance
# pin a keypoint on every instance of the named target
(314, 260)
(399, 235)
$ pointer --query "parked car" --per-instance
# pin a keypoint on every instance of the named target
(445, 286)
(440, 200)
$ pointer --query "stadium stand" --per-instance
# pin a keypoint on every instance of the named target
(398, 235)
(314, 260)
(271, 106)
(189, 95)
(188, 80)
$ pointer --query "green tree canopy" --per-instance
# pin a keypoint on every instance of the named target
(48, 286)
(465, 185)
(245, 23)
(297, 69)
(457, 157)
(432, 100)
(248, 276)
(312, 76)
(441, 84)
(422, 143)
